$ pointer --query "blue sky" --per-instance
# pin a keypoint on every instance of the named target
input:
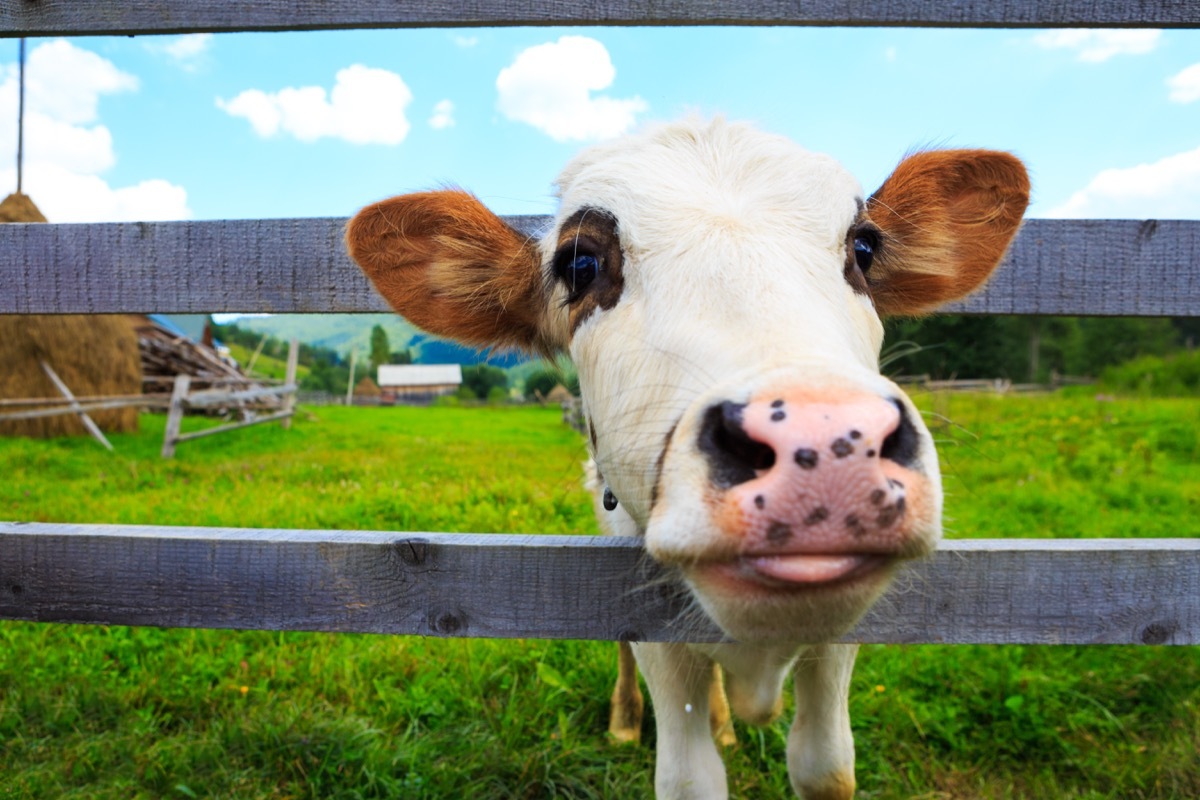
(319, 124)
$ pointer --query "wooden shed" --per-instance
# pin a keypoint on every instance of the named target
(417, 384)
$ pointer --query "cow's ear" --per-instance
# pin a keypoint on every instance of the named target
(946, 218)
(453, 268)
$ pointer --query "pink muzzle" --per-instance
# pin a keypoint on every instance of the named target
(813, 488)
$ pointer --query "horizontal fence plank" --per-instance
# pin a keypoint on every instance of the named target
(54, 17)
(233, 426)
(218, 397)
(509, 586)
(1096, 267)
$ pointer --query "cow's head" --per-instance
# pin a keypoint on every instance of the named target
(720, 291)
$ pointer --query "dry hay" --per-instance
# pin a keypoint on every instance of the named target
(367, 388)
(18, 207)
(94, 355)
(558, 394)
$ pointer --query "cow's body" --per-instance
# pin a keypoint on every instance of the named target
(720, 292)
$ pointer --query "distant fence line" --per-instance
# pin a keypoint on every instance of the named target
(995, 385)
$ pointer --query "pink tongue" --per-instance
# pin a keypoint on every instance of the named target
(806, 568)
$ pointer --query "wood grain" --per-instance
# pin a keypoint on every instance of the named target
(1085, 591)
(1097, 267)
(58, 17)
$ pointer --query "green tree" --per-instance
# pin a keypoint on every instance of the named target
(1106, 341)
(541, 382)
(381, 350)
(482, 378)
(326, 376)
(958, 346)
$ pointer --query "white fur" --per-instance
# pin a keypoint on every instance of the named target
(734, 244)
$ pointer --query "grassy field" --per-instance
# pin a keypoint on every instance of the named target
(90, 712)
(266, 366)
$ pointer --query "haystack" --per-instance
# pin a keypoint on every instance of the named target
(367, 388)
(558, 394)
(93, 355)
(18, 207)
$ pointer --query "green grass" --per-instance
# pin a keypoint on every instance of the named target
(265, 366)
(93, 712)
(1068, 465)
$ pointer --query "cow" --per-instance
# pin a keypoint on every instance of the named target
(720, 291)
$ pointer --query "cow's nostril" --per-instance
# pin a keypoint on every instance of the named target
(733, 457)
(901, 444)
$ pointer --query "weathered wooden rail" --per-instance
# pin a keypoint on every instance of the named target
(58, 17)
(1027, 591)
(300, 266)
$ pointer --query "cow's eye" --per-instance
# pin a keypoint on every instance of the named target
(577, 270)
(864, 250)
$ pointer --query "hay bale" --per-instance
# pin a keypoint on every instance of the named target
(18, 207)
(559, 394)
(367, 388)
(94, 355)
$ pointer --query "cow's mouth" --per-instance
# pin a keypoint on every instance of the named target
(797, 571)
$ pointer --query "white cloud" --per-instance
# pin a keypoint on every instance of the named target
(189, 45)
(65, 82)
(366, 106)
(466, 41)
(1166, 189)
(550, 86)
(1100, 45)
(443, 115)
(1185, 86)
(186, 50)
(66, 196)
(66, 149)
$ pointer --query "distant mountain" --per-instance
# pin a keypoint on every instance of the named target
(346, 332)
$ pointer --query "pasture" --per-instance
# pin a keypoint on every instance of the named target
(92, 712)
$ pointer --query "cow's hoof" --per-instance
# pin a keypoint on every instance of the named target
(837, 786)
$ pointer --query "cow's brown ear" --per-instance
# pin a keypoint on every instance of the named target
(453, 268)
(946, 218)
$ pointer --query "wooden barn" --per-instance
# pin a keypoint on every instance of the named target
(417, 384)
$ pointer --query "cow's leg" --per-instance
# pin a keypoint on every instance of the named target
(625, 714)
(820, 749)
(720, 721)
(687, 765)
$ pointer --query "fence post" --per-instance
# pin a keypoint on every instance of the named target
(289, 399)
(350, 382)
(175, 414)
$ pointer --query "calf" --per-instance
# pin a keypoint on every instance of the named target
(720, 291)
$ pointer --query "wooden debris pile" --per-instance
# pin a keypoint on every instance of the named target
(167, 354)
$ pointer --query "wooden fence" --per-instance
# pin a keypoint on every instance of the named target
(1034, 591)
(183, 399)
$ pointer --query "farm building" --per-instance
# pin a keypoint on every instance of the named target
(417, 384)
